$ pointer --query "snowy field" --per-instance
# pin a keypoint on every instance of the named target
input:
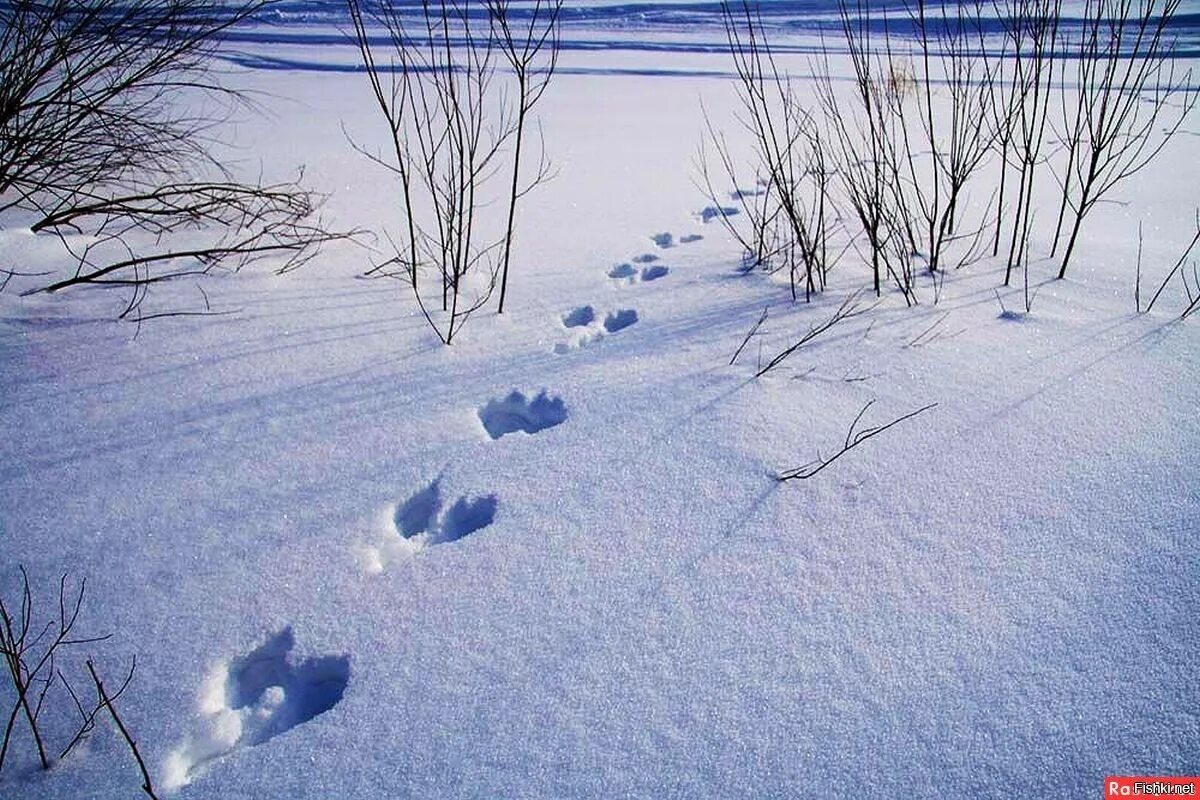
(345, 572)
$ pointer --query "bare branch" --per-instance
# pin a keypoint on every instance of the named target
(750, 335)
(106, 702)
(107, 119)
(854, 437)
(851, 307)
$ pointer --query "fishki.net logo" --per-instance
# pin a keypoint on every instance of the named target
(1125, 786)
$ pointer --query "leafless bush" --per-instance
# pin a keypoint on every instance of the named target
(865, 138)
(447, 125)
(788, 209)
(531, 49)
(1129, 102)
(946, 133)
(33, 654)
(1031, 29)
(30, 651)
(902, 154)
(225, 226)
(87, 94)
(106, 113)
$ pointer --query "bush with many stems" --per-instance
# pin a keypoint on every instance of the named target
(456, 90)
(945, 132)
(107, 114)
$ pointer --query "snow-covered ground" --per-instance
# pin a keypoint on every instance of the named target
(999, 597)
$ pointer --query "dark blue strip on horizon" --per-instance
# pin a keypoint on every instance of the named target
(292, 22)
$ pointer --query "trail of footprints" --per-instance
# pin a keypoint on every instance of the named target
(253, 698)
(250, 699)
(586, 325)
(426, 518)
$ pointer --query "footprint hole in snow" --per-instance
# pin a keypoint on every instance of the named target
(622, 271)
(713, 212)
(466, 517)
(620, 320)
(266, 692)
(579, 317)
(519, 413)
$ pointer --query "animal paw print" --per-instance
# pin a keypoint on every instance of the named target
(593, 329)
(529, 414)
(420, 519)
(627, 274)
(255, 697)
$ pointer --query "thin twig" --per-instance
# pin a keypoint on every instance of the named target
(1178, 264)
(107, 702)
(849, 309)
(854, 438)
(750, 335)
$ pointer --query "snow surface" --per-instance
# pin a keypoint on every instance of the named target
(338, 583)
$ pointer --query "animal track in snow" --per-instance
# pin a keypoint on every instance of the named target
(622, 272)
(645, 258)
(613, 322)
(710, 213)
(519, 413)
(421, 519)
(620, 320)
(579, 317)
(739, 194)
(254, 698)
(629, 274)
(667, 240)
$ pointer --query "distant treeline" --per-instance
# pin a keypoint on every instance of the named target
(800, 17)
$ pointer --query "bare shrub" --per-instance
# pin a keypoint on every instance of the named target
(946, 131)
(450, 119)
(447, 125)
(106, 113)
(789, 206)
(33, 653)
(865, 138)
(1129, 102)
(1031, 28)
(30, 650)
(531, 49)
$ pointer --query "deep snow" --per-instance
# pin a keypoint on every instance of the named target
(552, 560)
